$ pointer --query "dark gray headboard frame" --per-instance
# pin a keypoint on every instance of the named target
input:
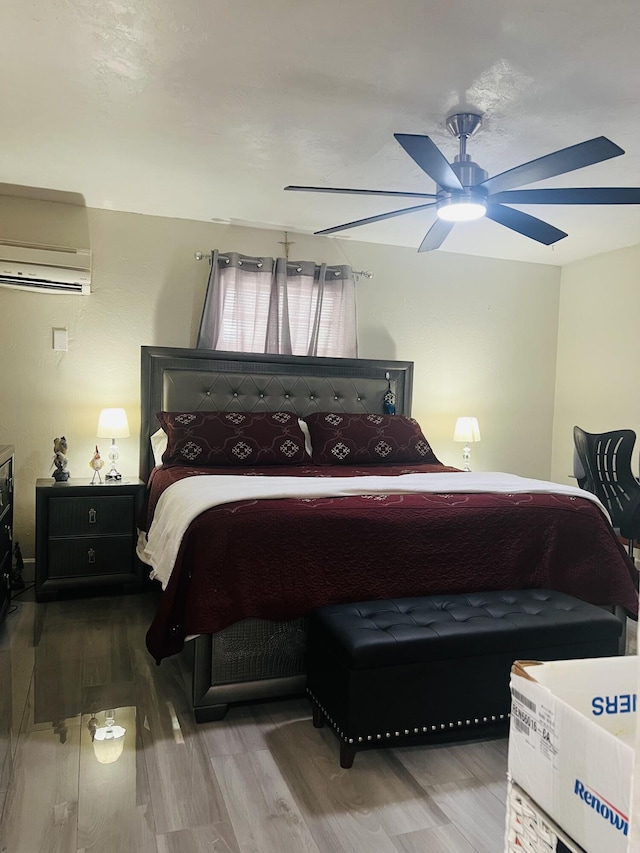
(175, 379)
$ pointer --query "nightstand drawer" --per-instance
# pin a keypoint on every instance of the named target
(92, 516)
(106, 555)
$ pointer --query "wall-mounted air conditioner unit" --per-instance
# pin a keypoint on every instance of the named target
(45, 269)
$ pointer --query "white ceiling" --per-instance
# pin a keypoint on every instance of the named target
(206, 109)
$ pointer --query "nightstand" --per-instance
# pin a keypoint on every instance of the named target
(86, 536)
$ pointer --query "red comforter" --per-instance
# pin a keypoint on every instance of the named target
(277, 559)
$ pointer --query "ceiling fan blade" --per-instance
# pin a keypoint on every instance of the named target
(566, 160)
(371, 219)
(430, 159)
(570, 195)
(524, 224)
(359, 192)
(436, 235)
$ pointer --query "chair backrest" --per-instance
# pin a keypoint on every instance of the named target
(578, 469)
(605, 460)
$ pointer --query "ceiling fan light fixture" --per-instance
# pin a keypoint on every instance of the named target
(461, 209)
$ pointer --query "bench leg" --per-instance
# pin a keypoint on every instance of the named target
(347, 754)
(318, 717)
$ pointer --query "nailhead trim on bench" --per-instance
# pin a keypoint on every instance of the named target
(477, 721)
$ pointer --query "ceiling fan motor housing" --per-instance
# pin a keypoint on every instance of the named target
(468, 173)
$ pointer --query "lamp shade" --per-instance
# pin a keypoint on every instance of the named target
(113, 423)
(108, 743)
(467, 429)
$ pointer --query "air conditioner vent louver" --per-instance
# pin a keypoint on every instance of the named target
(45, 269)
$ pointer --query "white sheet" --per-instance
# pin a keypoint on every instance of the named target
(185, 500)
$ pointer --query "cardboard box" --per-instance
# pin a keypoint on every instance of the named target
(571, 744)
(530, 830)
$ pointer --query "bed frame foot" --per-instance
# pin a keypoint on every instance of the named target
(210, 713)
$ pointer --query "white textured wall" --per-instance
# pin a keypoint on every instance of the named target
(482, 334)
(598, 352)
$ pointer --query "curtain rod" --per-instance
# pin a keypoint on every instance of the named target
(200, 256)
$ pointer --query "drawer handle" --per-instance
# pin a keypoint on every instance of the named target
(93, 515)
(91, 554)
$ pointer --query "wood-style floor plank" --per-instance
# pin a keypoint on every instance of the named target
(184, 790)
(476, 810)
(246, 727)
(22, 667)
(485, 760)
(5, 722)
(262, 809)
(217, 838)
(440, 839)
(262, 780)
(18, 628)
(56, 693)
(42, 802)
(106, 654)
(432, 765)
(243, 731)
(354, 809)
(19, 637)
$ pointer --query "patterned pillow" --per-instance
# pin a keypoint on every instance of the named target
(232, 438)
(344, 439)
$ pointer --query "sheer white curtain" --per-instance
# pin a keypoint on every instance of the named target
(279, 306)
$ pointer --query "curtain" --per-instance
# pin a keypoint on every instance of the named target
(273, 305)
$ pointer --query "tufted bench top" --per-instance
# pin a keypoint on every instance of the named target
(438, 627)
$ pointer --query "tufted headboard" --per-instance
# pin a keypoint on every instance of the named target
(190, 380)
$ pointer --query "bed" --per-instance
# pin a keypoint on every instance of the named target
(248, 565)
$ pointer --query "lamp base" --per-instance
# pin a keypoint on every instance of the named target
(466, 457)
(113, 475)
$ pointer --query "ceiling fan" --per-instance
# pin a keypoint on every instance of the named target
(465, 192)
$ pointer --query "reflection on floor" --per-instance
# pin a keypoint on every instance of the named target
(99, 752)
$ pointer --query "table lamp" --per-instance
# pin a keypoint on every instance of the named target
(466, 430)
(108, 740)
(113, 424)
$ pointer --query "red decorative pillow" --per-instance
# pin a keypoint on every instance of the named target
(344, 439)
(232, 438)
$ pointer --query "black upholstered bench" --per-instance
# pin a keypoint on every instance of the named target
(417, 669)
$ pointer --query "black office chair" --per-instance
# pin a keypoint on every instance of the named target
(602, 465)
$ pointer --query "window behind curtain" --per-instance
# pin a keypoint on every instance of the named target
(262, 305)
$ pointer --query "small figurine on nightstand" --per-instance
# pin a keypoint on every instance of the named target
(96, 463)
(60, 459)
